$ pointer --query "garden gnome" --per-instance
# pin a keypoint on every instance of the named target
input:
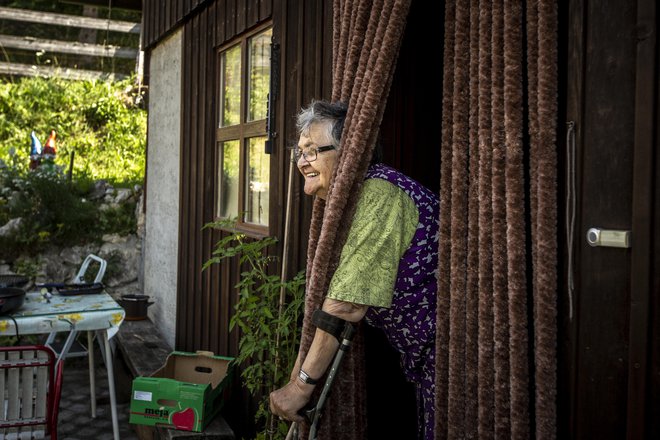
(49, 149)
(35, 152)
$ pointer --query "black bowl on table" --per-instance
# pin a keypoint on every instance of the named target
(11, 299)
(13, 280)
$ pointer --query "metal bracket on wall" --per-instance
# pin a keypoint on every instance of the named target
(272, 95)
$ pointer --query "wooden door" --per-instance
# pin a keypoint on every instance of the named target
(608, 366)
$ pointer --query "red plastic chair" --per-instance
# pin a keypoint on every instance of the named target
(30, 390)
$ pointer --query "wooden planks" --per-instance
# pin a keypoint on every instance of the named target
(25, 70)
(50, 18)
(143, 347)
(72, 47)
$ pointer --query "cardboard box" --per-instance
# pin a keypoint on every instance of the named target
(185, 393)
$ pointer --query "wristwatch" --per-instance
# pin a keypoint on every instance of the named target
(304, 377)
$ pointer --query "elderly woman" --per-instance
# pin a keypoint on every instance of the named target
(386, 272)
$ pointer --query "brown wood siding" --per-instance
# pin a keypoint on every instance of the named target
(609, 370)
(161, 17)
(205, 300)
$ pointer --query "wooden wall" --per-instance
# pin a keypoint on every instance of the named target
(609, 369)
(609, 351)
(205, 300)
(231, 17)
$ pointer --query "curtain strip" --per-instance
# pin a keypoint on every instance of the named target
(444, 254)
(500, 299)
(366, 40)
(493, 381)
(545, 293)
(485, 370)
(472, 287)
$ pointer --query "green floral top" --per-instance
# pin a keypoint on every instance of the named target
(383, 227)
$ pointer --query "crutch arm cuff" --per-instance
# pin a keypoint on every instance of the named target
(330, 323)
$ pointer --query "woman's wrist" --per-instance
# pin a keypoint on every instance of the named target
(305, 388)
(306, 378)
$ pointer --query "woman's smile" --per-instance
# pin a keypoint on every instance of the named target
(318, 172)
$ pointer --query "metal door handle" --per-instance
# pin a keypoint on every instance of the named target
(608, 238)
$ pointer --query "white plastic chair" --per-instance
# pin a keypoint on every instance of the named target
(80, 277)
(71, 347)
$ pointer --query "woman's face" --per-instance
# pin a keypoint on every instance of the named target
(318, 172)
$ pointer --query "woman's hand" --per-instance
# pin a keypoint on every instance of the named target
(291, 398)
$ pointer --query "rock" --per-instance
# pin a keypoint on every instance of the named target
(11, 227)
(113, 238)
(77, 254)
(72, 255)
(54, 269)
(99, 190)
(122, 195)
(106, 206)
(140, 216)
(5, 269)
(124, 252)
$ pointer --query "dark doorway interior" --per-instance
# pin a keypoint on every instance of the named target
(411, 127)
(410, 137)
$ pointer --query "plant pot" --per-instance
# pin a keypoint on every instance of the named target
(135, 306)
(11, 298)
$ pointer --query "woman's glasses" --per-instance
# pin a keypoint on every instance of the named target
(311, 153)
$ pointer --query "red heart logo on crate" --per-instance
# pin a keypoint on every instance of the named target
(184, 419)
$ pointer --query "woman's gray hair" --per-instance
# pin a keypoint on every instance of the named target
(333, 113)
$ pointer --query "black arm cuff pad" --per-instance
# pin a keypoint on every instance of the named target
(329, 323)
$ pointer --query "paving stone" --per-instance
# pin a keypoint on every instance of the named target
(75, 421)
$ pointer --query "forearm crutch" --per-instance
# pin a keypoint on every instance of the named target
(344, 332)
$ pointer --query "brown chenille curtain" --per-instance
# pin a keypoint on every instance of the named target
(366, 39)
(496, 320)
(496, 330)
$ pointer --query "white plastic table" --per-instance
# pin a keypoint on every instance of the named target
(97, 313)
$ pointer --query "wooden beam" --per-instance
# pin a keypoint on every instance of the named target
(134, 5)
(640, 340)
(77, 74)
(73, 47)
(68, 20)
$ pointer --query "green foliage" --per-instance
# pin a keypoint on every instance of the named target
(28, 267)
(51, 211)
(54, 211)
(118, 219)
(269, 333)
(97, 120)
(114, 267)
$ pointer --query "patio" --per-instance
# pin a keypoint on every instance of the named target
(75, 422)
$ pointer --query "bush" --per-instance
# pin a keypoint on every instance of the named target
(99, 121)
(51, 210)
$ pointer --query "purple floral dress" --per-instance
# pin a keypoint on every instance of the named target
(409, 323)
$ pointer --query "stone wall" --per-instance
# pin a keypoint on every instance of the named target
(122, 253)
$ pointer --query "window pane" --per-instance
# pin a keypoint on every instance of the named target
(259, 69)
(230, 84)
(257, 182)
(229, 168)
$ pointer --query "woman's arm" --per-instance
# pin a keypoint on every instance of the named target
(288, 400)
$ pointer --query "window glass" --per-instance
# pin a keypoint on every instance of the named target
(259, 71)
(257, 182)
(229, 171)
(230, 87)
